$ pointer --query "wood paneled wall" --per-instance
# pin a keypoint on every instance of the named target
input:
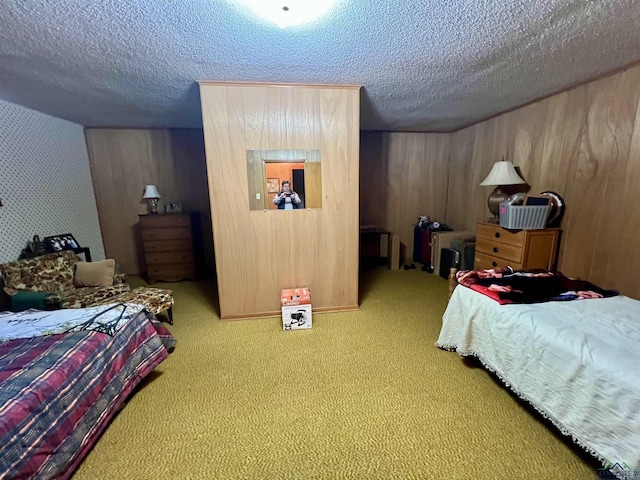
(403, 176)
(583, 144)
(257, 252)
(123, 161)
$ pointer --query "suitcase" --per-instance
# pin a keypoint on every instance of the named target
(422, 246)
(449, 258)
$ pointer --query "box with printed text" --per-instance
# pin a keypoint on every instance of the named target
(296, 308)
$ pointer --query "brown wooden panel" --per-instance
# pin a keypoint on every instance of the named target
(373, 179)
(541, 252)
(313, 184)
(258, 253)
(582, 144)
(417, 182)
(123, 161)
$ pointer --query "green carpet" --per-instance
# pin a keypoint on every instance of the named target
(362, 395)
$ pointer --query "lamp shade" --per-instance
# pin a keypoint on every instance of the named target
(502, 173)
(150, 191)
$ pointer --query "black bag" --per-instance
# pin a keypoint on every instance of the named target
(449, 258)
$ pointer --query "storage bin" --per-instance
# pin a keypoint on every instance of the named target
(523, 217)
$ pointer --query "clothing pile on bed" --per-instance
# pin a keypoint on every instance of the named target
(505, 285)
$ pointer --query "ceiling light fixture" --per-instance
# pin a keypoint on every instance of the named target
(288, 13)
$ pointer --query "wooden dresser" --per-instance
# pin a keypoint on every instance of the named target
(521, 249)
(167, 241)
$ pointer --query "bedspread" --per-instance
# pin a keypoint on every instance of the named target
(58, 392)
(577, 363)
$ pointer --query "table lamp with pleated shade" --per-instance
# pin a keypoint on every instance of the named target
(503, 173)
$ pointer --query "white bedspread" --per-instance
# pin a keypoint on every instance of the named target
(108, 318)
(577, 363)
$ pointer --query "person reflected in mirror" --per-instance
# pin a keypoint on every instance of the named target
(287, 199)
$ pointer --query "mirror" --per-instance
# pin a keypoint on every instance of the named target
(267, 170)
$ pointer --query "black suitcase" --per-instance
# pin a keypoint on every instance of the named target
(449, 258)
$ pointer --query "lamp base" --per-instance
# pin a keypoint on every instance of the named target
(493, 202)
(153, 205)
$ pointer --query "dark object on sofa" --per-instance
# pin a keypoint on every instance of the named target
(25, 299)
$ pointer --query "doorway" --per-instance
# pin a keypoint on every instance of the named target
(297, 180)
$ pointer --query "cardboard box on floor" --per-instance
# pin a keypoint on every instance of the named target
(296, 308)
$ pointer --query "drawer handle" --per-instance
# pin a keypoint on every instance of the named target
(495, 249)
(497, 234)
(495, 264)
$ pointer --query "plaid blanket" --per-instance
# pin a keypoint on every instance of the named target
(60, 391)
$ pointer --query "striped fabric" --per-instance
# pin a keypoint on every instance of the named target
(58, 392)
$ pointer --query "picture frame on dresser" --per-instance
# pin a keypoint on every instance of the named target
(173, 207)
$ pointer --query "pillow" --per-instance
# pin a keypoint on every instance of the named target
(94, 274)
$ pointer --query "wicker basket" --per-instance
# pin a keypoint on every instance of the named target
(523, 217)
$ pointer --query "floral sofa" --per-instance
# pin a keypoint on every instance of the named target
(54, 273)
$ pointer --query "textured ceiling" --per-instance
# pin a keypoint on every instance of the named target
(424, 65)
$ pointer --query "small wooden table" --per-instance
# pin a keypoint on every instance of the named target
(371, 236)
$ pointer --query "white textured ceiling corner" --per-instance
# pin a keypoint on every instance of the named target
(425, 65)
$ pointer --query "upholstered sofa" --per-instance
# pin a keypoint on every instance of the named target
(56, 273)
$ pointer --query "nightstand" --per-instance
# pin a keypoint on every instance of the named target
(521, 249)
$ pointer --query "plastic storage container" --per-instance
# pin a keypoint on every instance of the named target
(523, 217)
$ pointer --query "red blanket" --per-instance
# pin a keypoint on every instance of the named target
(531, 286)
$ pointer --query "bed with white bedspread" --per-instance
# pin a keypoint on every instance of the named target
(577, 363)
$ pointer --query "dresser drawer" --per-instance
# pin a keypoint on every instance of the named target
(483, 261)
(166, 234)
(167, 245)
(169, 257)
(509, 252)
(171, 272)
(168, 220)
(497, 233)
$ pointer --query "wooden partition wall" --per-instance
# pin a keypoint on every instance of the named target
(403, 176)
(583, 144)
(123, 161)
(260, 252)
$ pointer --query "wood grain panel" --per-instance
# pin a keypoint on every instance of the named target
(373, 179)
(418, 177)
(617, 105)
(313, 183)
(403, 176)
(123, 161)
(582, 144)
(255, 181)
(258, 253)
